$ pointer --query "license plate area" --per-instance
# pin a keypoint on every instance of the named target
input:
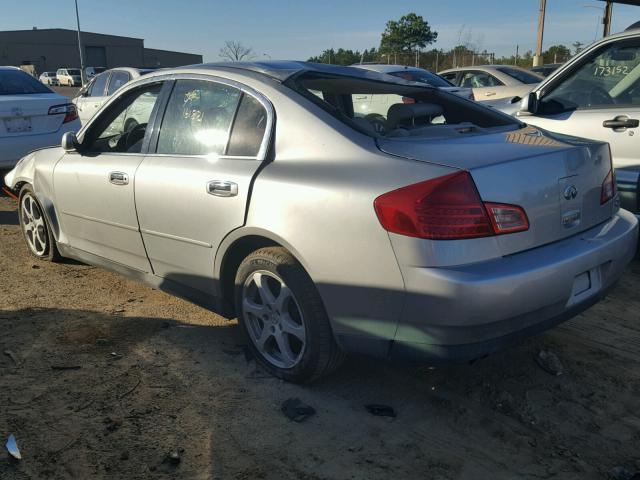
(18, 124)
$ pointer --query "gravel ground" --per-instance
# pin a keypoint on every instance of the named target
(101, 377)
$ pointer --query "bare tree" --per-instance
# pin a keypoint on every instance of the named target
(236, 52)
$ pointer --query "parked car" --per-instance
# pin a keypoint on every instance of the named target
(69, 77)
(93, 95)
(414, 74)
(546, 70)
(49, 78)
(31, 116)
(254, 190)
(490, 82)
(595, 95)
(91, 72)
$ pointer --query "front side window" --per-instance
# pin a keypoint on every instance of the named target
(97, 87)
(118, 79)
(122, 127)
(198, 118)
(607, 78)
(479, 80)
(520, 75)
(450, 77)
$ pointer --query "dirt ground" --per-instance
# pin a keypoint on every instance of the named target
(107, 378)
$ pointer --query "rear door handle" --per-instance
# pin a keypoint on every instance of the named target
(222, 188)
(621, 122)
(489, 94)
(119, 178)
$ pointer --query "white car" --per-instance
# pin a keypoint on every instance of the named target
(69, 77)
(49, 78)
(490, 82)
(93, 95)
(31, 116)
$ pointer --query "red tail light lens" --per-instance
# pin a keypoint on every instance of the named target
(608, 187)
(446, 208)
(408, 100)
(68, 109)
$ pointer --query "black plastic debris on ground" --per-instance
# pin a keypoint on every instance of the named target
(381, 410)
(295, 410)
(549, 362)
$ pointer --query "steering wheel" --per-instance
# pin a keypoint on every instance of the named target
(134, 135)
(378, 122)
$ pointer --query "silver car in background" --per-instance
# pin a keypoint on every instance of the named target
(491, 82)
(255, 190)
(104, 84)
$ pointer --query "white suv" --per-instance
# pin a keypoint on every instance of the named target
(70, 77)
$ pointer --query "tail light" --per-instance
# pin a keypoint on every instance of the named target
(608, 187)
(446, 208)
(68, 109)
(408, 100)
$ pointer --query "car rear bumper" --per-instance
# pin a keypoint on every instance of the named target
(13, 149)
(460, 313)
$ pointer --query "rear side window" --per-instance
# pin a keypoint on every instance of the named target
(17, 82)
(248, 128)
(198, 118)
(520, 75)
(97, 88)
(450, 77)
(118, 79)
(479, 80)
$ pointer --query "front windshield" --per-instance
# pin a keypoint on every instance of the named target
(16, 82)
(422, 77)
(610, 77)
(390, 109)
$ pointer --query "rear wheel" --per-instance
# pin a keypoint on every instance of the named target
(281, 313)
(35, 228)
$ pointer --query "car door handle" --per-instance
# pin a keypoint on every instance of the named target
(222, 188)
(489, 94)
(621, 122)
(119, 178)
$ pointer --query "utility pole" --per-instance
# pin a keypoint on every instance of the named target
(437, 59)
(606, 20)
(82, 72)
(516, 60)
(537, 59)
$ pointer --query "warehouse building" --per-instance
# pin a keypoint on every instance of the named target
(53, 48)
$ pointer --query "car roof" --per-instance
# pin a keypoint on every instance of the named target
(282, 70)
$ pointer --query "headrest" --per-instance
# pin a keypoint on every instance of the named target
(409, 111)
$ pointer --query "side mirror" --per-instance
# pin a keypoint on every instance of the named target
(528, 105)
(69, 142)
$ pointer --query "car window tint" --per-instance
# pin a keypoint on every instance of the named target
(122, 127)
(97, 88)
(520, 75)
(450, 77)
(609, 77)
(198, 118)
(118, 79)
(479, 80)
(248, 128)
(17, 82)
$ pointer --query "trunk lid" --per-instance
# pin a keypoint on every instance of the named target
(556, 179)
(29, 114)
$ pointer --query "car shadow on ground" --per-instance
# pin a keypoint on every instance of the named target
(91, 394)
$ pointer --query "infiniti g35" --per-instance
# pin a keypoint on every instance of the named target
(442, 233)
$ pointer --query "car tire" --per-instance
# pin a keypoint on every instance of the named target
(286, 325)
(35, 227)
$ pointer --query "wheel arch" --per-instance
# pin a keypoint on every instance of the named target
(235, 248)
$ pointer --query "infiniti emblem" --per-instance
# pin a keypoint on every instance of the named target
(570, 192)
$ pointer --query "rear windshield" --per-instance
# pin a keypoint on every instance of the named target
(16, 82)
(520, 75)
(422, 77)
(390, 109)
(73, 71)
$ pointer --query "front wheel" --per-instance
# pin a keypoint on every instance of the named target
(280, 311)
(35, 228)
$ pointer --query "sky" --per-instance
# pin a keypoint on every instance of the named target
(287, 29)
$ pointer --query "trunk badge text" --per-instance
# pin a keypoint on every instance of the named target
(570, 192)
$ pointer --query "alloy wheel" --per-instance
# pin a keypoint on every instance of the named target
(35, 229)
(274, 319)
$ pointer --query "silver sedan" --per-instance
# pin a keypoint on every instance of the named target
(441, 232)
